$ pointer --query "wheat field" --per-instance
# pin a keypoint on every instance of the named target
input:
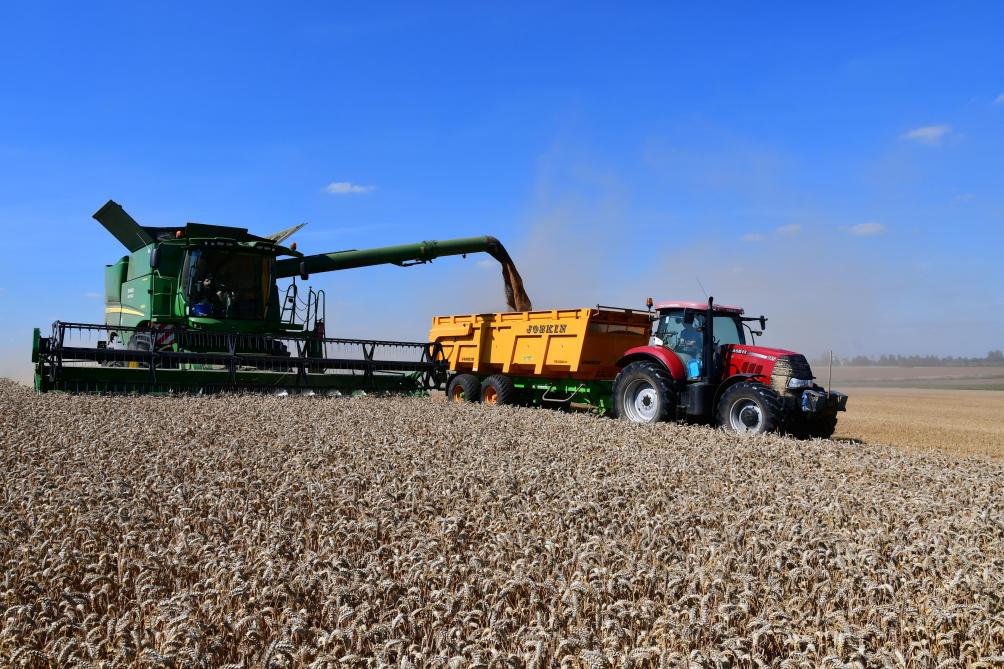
(963, 422)
(250, 531)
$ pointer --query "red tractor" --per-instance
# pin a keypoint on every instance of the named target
(700, 365)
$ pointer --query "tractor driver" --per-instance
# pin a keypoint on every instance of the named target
(690, 342)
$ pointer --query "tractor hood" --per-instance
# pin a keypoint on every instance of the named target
(762, 352)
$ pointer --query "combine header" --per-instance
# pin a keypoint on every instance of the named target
(198, 309)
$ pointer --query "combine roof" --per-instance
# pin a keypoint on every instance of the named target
(685, 304)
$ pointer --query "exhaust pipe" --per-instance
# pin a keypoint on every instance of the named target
(709, 341)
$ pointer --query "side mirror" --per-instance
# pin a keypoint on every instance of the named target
(303, 270)
(763, 324)
(155, 257)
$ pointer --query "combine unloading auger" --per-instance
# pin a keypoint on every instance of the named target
(198, 309)
(413, 254)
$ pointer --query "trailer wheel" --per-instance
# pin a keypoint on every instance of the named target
(498, 389)
(643, 393)
(749, 408)
(463, 388)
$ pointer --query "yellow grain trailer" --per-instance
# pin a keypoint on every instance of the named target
(538, 357)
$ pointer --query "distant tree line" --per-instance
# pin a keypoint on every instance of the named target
(992, 359)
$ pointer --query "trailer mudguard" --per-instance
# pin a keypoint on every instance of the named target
(667, 358)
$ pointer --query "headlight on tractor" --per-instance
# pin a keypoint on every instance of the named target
(800, 383)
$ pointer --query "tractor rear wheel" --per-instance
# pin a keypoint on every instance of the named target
(498, 389)
(463, 388)
(749, 408)
(643, 393)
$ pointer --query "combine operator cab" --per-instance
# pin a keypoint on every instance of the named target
(702, 364)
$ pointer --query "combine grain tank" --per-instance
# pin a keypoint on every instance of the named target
(538, 357)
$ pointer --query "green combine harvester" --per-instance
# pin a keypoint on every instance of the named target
(198, 309)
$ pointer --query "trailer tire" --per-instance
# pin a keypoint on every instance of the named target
(749, 408)
(643, 393)
(463, 388)
(498, 389)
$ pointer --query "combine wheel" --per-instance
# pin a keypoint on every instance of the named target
(498, 389)
(643, 393)
(749, 408)
(463, 388)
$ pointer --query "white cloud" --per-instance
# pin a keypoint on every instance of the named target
(347, 188)
(867, 229)
(753, 237)
(928, 134)
(999, 100)
(93, 296)
(789, 230)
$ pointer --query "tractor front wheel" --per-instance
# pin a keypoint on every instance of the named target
(749, 408)
(643, 393)
(812, 427)
(498, 389)
(463, 388)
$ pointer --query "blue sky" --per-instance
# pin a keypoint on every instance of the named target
(839, 169)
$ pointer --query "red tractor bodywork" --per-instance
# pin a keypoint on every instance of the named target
(740, 360)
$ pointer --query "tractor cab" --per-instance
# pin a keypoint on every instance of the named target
(681, 327)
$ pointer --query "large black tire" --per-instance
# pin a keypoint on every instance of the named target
(498, 389)
(749, 408)
(643, 393)
(463, 388)
(823, 427)
(807, 426)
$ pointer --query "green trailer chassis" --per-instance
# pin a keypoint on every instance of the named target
(536, 391)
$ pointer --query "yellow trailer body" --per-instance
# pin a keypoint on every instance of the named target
(582, 344)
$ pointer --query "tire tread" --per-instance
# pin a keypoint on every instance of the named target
(503, 385)
(659, 377)
(771, 403)
(470, 385)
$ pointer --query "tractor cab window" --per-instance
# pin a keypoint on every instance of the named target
(220, 283)
(683, 338)
(686, 339)
(728, 330)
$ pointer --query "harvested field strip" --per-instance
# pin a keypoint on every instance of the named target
(305, 532)
(943, 378)
(964, 422)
